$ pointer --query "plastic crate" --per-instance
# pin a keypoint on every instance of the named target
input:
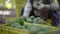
(9, 30)
(54, 30)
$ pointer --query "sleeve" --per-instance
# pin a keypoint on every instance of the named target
(27, 9)
(54, 5)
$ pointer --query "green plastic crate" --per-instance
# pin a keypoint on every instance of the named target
(9, 30)
(54, 30)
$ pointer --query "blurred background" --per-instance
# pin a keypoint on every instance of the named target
(13, 7)
(16, 5)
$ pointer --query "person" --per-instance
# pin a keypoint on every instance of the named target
(44, 9)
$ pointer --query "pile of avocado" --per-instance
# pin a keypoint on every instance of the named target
(19, 24)
(34, 20)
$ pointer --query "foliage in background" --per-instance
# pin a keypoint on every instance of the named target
(19, 5)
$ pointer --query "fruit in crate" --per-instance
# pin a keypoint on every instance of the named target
(20, 20)
(29, 20)
(15, 25)
(32, 17)
(36, 20)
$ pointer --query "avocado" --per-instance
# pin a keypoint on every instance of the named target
(32, 17)
(29, 20)
(20, 20)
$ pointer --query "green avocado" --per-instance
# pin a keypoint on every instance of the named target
(29, 20)
(20, 20)
(37, 20)
(32, 17)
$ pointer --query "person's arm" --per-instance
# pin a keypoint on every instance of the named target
(27, 9)
(54, 5)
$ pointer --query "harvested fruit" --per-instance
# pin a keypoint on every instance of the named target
(20, 20)
(29, 20)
